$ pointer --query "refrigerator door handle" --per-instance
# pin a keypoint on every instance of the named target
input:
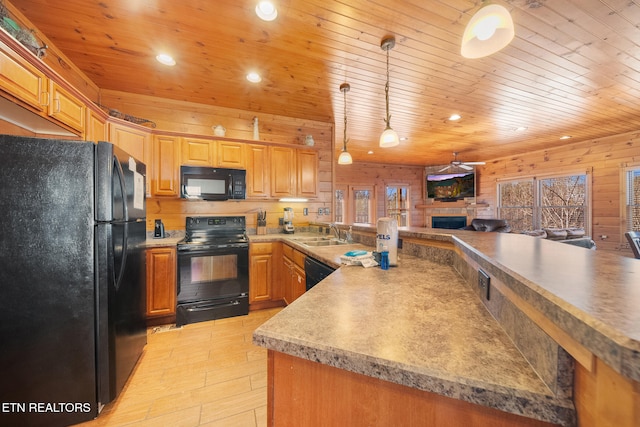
(123, 262)
(120, 173)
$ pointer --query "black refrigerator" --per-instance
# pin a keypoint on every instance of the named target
(72, 278)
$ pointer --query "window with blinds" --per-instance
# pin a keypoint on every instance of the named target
(633, 199)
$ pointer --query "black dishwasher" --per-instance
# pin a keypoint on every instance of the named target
(315, 271)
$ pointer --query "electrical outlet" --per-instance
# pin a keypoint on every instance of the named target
(326, 211)
(319, 211)
(305, 211)
(484, 283)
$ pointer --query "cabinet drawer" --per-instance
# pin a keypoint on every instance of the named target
(287, 251)
(260, 248)
(298, 258)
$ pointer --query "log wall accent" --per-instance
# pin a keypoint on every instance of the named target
(604, 158)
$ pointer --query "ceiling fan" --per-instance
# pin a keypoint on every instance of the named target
(455, 163)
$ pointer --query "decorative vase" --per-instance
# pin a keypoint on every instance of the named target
(219, 130)
(256, 131)
(309, 141)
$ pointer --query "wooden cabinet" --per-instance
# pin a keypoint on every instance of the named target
(165, 180)
(307, 173)
(257, 171)
(283, 172)
(197, 152)
(23, 81)
(294, 173)
(66, 108)
(136, 142)
(230, 154)
(293, 276)
(96, 128)
(205, 152)
(161, 282)
(261, 272)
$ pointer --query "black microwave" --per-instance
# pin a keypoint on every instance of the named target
(202, 183)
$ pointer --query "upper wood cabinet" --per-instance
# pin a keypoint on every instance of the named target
(307, 173)
(96, 127)
(23, 81)
(283, 171)
(230, 154)
(197, 152)
(205, 152)
(257, 171)
(165, 180)
(66, 108)
(294, 173)
(136, 142)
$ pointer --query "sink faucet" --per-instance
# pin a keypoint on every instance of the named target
(336, 230)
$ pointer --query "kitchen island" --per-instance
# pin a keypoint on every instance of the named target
(417, 342)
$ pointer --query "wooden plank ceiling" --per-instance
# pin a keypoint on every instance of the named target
(573, 67)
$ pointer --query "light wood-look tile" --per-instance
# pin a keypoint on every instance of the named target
(203, 374)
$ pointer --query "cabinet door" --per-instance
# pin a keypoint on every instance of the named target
(136, 142)
(22, 81)
(287, 279)
(299, 282)
(283, 172)
(161, 282)
(260, 278)
(66, 108)
(307, 170)
(198, 152)
(96, 129)
(230, 154)
(166, 163)
(257, 171)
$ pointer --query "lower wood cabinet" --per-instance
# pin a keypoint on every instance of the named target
(293, 277)
(264, 284)
(161, 284)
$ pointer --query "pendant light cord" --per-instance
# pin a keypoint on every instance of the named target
(386, 90)
(344, 90)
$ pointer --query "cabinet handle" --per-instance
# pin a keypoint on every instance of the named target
(45, 96)
(57, 105)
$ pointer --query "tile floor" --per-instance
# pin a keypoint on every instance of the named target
(203, 374)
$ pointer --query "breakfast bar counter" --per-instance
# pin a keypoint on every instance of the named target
(422, 328)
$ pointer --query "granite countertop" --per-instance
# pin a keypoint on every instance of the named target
(418, 325)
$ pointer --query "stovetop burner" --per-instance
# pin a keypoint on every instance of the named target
(229, 231)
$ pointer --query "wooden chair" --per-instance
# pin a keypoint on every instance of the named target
(634, 241)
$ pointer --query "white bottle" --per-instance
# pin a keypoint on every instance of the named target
(387, 238)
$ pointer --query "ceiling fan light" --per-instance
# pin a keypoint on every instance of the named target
(389, 138)
(345, 158)
(488, 31)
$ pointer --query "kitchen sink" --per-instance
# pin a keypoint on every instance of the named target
(325, 242)
(312, 239)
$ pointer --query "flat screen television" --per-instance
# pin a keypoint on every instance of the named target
(451, 186)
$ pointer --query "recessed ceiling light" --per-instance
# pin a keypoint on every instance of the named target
(455, 117)
(565, 137)
(520, 129)
(165, 59)
(266, 11)
(370, 152)
(404, 138)
(254, 77)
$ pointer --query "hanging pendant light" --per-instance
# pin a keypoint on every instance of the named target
(345, 157)
(488, 31)
(389, 137)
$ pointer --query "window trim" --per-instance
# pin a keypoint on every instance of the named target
(408, 200)
(625, 169)
(537, 178)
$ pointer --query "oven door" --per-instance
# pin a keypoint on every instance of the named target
(212, 284)
(212, 273)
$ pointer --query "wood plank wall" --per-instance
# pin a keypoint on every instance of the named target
(381, 175)
(197, 119)
(604, 158)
